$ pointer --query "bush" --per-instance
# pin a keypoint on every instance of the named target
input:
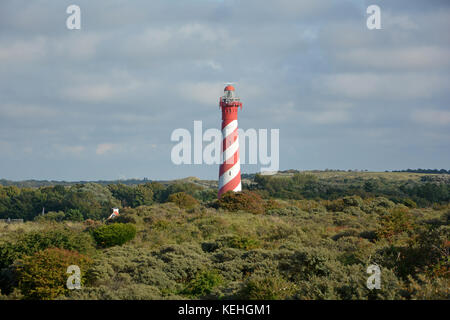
(74, 215)
(238, 242)
(397, 221)
(307, 262)
(272, 205)
(51, 216)
(202, 284)
(246, 201)
(183, 200)
(34, 241)
(44, 274)
(114, 234)
(265, 288)
(353, 201)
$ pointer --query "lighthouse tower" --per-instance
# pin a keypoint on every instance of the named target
(230, 168)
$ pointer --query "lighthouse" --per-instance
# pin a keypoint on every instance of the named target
(230, 167)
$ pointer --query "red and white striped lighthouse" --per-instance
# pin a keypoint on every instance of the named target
(230, 168)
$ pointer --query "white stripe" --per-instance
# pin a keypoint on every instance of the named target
(238, 187)
(230, 151)
(228, 175)
(229, 128)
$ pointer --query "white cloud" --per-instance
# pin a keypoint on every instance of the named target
(404, 22)
(105, 148)
(68, 149)
(406, 58)
(383, 86)
(23, 51)
(431, 117)
(210, 64)
(76, 45)
(327, 116)
(205, 93)
(100, 92)
(16, 110)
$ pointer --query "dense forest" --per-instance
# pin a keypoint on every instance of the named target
(293, 235)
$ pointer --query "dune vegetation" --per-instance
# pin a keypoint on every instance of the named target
(290, 236)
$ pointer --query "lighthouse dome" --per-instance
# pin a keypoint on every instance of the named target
(229, 88)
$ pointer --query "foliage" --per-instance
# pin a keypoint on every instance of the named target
(310, 186)
(266, 288)
(314, 236)
(43, 275)
(114, 234)
(202, 284)
(133, 196)
(245, 201)
(395, 222)
(74, 215)
(31, 242)
(183, 200)
(51, 216)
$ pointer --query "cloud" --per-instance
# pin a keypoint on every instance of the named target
(201, 92)
(327, 117)
(431, 117)
(383, 86)
(104, 148)
(23, 51)
(72, 150)
(100, 92)
(136, 71)
(22, 111)
(404, 58)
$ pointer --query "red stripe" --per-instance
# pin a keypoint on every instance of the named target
(224, 167)
(231, 184)
(228, 140)
(226, 122)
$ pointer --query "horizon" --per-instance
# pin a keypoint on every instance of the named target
(242, 173)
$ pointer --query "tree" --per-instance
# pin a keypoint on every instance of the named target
(44, 274)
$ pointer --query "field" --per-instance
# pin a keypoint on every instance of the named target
(309, 235)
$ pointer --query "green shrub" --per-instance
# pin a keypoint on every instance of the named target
(183, 200)
(398, 220)
(266, 288)
(203, 283)
(353, 201)
(429, 289)
(74, 215)
(8, 254)
(51, 216)
(34, 241)
(44, 274)
(123, 218)
(272, 204)
(287, 211)
(237, 242)
(307, 262)
(114, 234)
(245, 201)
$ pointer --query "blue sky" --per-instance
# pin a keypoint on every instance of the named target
(102, 102)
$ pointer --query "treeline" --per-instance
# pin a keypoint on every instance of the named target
(94, 201)
(49, 183)
(308, 186)
(88, 201)
(432, 171)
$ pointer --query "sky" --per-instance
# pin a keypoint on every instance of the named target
(102, 102)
